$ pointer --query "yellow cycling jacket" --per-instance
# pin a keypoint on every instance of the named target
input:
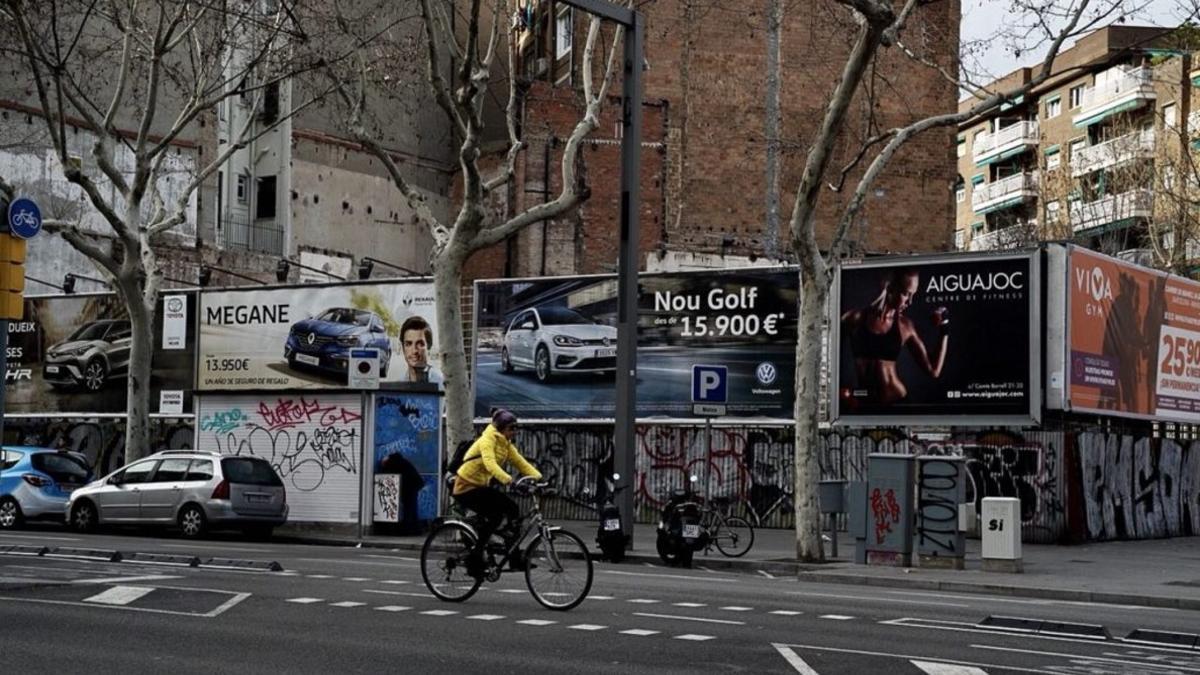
(495, 450)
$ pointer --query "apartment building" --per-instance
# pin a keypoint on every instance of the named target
(1092, 155)
(708, 137)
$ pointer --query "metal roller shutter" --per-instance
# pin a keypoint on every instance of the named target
(313, 440)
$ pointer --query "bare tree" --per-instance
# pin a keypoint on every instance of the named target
(139, 77)
(473, 49)
(881, 27)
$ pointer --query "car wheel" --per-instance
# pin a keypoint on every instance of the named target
(83, 517)
(10, 514)
(542, 364)
(505, 363)
(192, 521)
(95, 374)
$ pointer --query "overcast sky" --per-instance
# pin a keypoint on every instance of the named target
(982, 18)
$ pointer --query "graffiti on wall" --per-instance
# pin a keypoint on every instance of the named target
(101, 440)
(1138, 487)
(940, 489)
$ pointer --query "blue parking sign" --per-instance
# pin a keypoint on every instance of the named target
(709, 384)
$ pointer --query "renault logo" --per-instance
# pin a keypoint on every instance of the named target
(312, 338)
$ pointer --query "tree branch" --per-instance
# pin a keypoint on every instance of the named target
(441, 90)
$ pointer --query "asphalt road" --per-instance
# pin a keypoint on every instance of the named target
(664, 384)
(366, 610)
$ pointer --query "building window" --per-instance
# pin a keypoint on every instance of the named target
(264, 204)
(960, 194)
(1053, 158)
(1168, 178)
(962, 146)
(564, 32)
(1077, 145)
(1053, 212)
(242, 181)
(1076, 96)
(1053, 107)
(1169, 116)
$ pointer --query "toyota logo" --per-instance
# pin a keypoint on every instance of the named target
(766, 373)
(312, 338)
(174, 305)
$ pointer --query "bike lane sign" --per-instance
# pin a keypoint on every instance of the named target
(24, 218)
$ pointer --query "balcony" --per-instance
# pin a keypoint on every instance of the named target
(1111, 209)
(1122, 90)
(1013, 236)
(1004, 193)
(1122, 149)
(259, 236)
(1007, 142)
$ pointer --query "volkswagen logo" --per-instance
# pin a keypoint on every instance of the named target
(766, 373)
(312, 338)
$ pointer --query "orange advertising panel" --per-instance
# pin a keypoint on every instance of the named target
(1134, 336)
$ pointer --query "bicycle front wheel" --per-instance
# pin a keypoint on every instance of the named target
(444, 563)
(735, 537)
(558, 570)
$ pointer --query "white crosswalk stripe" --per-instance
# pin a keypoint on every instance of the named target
(586, 626)
(738, 609)
(537, 622)
(120, 595)
(695, 638)
(836, 617)
(305, 601)
(934, 668)
(644, 601)
(486, 617)
(347, 604)
(786, 612)
(440, 612)
(393, 608)
(640, 632)
(689, 604)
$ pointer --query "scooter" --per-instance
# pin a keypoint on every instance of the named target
(610, 536)
(679, 532)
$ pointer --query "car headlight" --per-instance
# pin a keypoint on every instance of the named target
(348, 340)
(567, 341)
(79, 350)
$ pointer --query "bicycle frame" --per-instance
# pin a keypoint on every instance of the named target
(536, 521)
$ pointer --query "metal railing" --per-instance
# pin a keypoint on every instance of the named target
(1015, 135)
(1015, 185)
(1008, 237)
(1138, 79)
(1136, 145)
(260, 236)
(1110, 209)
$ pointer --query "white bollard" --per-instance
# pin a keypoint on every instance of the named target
(1001, 529)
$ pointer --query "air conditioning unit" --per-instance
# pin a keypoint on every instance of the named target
(1137, 256)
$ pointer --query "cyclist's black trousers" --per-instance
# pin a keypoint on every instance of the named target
(492, 506)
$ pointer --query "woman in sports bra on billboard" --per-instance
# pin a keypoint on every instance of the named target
(881, 330)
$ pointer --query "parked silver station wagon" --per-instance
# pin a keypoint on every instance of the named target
(190, 489)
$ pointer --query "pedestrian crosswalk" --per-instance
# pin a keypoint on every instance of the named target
(816, 660)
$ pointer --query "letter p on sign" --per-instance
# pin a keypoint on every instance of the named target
(709, 384)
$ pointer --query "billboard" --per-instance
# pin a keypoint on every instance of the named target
(70, 354)
(937, 340)
(1133, 340)
(546, 348)
(301, 337)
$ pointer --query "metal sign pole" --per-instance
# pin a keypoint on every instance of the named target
(708, 459)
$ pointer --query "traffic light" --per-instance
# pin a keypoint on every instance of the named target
(12, 277)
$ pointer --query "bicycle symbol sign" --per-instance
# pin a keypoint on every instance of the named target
(24, 218)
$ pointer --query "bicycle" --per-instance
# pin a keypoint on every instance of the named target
(558, 568)
(732, 535)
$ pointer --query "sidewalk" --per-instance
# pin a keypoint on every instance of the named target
(1154, 573)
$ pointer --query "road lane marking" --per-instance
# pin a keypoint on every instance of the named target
(537, 622)
(355, 579)
(393, 608)
(767, 574)
(795, 661)
(395, 582)
(842, 596)
(586, 626)
(304, 601)
(145, 610)
(440, 612)
(892, 655)
(934, 668)
(347, 604)
(695, 638)
(320, 576)
(120, 595)
(347, 561)
(36, 536)
(836, 617)
(510, 590)
(404, 593)
(714, 577)
(601, 597)
(1140, 608)
(738, 609)
(689, 604)
(219, 547)
(690, 618)
(644, 601)
(785, 612)
(640, 632)
(121, 580)
(1072, 657)
(486, 617)
(225, 606)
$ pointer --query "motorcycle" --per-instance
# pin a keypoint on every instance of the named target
(679, 532)
(610, 535)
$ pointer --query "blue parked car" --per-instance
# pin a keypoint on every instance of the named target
(324, 342)
(35, 483)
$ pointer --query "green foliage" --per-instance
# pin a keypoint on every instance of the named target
(371, 302)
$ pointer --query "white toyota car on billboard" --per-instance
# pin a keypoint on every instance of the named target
(554, 340)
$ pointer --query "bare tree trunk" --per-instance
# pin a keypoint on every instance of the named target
(447, 282)
(774, 85)
(141, 321)
(814, 289)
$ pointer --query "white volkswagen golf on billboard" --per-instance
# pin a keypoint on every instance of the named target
(556, 340)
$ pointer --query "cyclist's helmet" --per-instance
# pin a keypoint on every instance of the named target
(503, 419)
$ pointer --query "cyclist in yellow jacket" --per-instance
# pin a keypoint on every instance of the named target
(482, 464)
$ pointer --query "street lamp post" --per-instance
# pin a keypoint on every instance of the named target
(625, 437)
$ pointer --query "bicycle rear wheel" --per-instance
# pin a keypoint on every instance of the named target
(558, 570)
(734, 537)
(444, 563)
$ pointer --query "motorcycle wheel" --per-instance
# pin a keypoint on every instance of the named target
(670, 552)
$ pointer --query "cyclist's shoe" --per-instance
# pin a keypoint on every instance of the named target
(476, 565)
